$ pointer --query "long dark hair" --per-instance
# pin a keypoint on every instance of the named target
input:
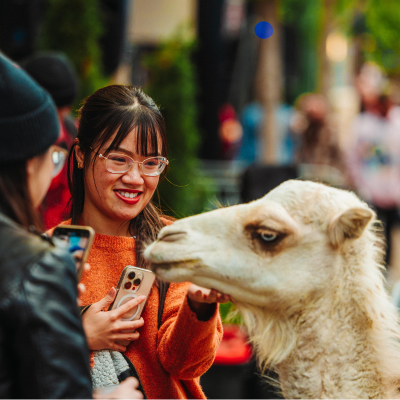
(15, 199)
(120, 109)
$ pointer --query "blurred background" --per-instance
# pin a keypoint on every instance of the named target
(319, 99)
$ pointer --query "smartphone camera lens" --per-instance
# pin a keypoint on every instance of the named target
(128, 285)
(136, 282)
(131, 275)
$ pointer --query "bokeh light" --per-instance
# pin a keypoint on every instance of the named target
(336, 47)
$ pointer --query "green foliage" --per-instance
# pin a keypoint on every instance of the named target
(75, 27)
(344, 12)
(173, 87)
(382, 19)
(228, 314)
(301, 13)
(379, 37)
(305, 17)
(380, 31)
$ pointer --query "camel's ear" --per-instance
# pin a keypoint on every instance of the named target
(348, 225)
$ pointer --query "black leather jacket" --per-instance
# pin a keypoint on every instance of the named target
(43, 350)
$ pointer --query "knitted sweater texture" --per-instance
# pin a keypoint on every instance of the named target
(169, 361)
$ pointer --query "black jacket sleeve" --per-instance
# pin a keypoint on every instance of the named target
(49, 346)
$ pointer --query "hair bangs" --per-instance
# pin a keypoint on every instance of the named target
(121, 127)
(150, 132)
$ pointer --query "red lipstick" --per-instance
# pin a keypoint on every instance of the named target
(127, 200)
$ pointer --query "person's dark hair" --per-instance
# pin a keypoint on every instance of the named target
(15, 199)
(54, 72)
(121, 109)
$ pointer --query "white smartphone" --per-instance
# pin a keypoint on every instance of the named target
(132, 283)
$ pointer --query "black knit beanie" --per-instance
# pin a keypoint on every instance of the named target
(28, 117)
(55, 73)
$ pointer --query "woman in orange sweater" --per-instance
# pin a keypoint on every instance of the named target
(116, 162)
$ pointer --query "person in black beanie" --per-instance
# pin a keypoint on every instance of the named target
(43, 350)
(55, 73)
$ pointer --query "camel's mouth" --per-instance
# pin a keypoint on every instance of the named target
(180, 271)
(195, 271)
(184, 270)
(161, 266)
(156, 267)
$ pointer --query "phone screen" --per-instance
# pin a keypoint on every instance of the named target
(77, 240)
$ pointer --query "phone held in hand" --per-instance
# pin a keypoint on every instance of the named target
(132, 283)
(79, 239)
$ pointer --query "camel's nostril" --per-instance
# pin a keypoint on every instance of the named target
(172, 236)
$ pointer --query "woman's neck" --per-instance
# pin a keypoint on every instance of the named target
(103, 224)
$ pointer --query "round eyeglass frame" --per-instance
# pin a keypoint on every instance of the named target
(163, 160)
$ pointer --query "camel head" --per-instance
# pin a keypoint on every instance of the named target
(302, 265)
(272, 252)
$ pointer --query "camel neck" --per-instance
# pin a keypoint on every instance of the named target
(334, 356)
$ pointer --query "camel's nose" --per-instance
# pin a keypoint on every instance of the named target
(172, 236)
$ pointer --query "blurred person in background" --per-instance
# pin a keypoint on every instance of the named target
(230, 132)
(317, 140)
(251, 119)
(370, 83)
(43, 349)
(55, 73)
(373, 160)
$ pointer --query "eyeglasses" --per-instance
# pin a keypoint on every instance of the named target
(120, 163)
(59, 156)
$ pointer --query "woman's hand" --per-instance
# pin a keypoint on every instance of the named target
(104, 329)
(202, 301)
(125, 390)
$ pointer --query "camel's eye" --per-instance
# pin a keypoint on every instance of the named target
(264, 239)
(269, 236)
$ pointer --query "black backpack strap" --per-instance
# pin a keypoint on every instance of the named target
(162, 289)
(131, 372)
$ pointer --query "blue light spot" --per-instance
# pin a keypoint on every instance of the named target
(264, 30)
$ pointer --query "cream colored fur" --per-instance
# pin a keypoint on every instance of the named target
(302, 265)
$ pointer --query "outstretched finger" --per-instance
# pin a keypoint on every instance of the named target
(81, 290)
(86, 267)
(127, 336)
(105, 301)
(196, 293)
(120, 311)
(215, 297)
(223, 298)
(209, 296)
(129, 325)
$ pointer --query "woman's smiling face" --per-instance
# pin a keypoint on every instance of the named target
(120, 197)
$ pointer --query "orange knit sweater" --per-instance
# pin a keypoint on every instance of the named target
(171, 360)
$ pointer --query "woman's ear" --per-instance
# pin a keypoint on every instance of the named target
(80, 158)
